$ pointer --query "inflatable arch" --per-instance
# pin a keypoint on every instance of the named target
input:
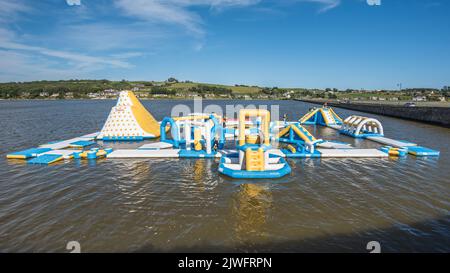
(358, 126)
(174, 131)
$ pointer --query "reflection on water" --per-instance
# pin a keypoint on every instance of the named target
(184, 204)
(251, 211)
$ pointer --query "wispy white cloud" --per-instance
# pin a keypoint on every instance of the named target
(73, 2)
(80, 59)
(176, 11)
(9, 10)
(20, 66)
(326, 5)
(19, 59)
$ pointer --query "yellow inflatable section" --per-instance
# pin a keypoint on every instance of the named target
(300, 131)
(145, 120)
(254, 159)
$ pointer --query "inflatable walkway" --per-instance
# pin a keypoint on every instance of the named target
(129, 120)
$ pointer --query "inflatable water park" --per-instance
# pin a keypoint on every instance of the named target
(253, 146)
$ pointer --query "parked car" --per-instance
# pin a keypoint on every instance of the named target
(410, 104)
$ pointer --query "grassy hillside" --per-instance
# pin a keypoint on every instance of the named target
(172, 88)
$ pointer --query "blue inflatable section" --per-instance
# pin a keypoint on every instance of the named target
(422, 151)
(363, 135)
(124, 138)
(45, 159)
(195, 154)
(30, 152)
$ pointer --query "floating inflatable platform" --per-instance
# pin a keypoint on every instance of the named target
(156, 146)
(29, 153)
(55, 151)
(391, 142)
(301, 154)
(422, 151)
(81, 144)
(334, 145)
(56, 145)
(52, 156)
(130, 153)
(352, 153)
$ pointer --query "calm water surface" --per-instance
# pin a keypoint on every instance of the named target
(185, 205)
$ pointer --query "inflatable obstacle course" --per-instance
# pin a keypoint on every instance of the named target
(259, 145)
(129, 120)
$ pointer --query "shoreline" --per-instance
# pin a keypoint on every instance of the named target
(144, 99)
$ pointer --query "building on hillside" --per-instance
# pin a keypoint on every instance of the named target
(436, 97)
(25, 94)
(93, 95)
(419, 98)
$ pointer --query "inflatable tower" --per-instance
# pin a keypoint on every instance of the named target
(129, 120)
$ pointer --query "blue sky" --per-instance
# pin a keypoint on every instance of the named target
(285, 43)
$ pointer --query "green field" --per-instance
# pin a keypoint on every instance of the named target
(233, 88)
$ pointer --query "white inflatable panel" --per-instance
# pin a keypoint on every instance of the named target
(334, 145)
(156, 146)
(65, 143)
(144, 153)
(65, 153)
(90, 136)
(391, 142)
(352, 153)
